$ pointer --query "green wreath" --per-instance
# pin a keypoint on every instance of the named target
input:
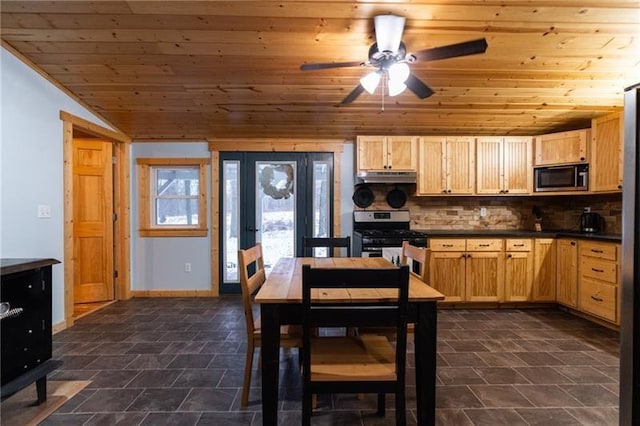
(266, 179)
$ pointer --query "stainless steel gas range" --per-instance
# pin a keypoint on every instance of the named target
(378, 232)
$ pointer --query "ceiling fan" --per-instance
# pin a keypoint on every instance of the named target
(390, 60)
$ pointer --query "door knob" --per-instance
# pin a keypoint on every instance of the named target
(252, 229)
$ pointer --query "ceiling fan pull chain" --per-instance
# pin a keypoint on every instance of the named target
(384, 81)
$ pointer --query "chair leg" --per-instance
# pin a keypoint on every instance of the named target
(381, 405)
(307, 409)
(244, 401)
(401, 409)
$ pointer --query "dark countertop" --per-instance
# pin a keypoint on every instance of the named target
(506, 233)
(11, 266)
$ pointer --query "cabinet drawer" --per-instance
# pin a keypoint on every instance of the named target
(484, 244)
(439, 244)
(599, 299)
(603, 270)
(518, 245)
(599, 250)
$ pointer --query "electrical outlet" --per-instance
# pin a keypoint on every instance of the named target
(44, 211)
(586, 210)
(187, 267)
(483, 212)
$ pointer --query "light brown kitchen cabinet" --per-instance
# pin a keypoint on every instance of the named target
(518, 270)
(384, 153)
(504, 165)
(544, 275)
(562, 147)
(567, 272)
(606, 164)
(446, 165)
(467, 270)
(598, 285)
(447, 274)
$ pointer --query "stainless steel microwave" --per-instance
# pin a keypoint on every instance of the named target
(570, 177)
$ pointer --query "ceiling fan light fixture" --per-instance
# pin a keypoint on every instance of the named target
(370, 81)
(389, 30)
(396, 87)
(399, 72)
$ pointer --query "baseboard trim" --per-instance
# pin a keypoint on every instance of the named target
(173, 293)
(57, 328)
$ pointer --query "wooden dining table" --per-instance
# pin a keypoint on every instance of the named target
(280, 299)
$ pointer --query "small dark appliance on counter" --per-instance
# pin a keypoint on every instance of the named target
(590, 222)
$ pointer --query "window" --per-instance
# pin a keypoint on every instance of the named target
(172, 197)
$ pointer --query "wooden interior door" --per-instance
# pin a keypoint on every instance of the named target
(93, 221)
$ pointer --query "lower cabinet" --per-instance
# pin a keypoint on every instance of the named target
(544, 282)
(583, 275)
(567, 272)
(467, 270)
(518, 270)
(599, 277)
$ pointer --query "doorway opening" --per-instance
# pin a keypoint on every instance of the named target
(96, 217)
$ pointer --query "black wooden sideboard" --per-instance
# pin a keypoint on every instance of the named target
(25, 325)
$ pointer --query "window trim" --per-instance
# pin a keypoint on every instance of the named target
(147, 229)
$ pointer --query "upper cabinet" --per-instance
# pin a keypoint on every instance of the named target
(384, 153)
(562, 147)
(504, 165)
(447, 165)
(606, 153)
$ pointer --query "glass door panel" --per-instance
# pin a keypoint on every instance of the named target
(321, 222)
(230, 220)
(275, 210)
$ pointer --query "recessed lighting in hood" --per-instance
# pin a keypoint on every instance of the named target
(386, 177)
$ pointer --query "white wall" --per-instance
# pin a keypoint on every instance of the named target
(31, 167)
(158, 263)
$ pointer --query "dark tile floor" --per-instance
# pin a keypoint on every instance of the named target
(180, 362)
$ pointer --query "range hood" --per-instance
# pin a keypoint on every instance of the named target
(386, 177)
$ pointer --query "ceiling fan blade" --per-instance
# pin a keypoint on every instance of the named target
(388, 32)
(353, 95)
(452, 50)
(416, 85)
(323, 66)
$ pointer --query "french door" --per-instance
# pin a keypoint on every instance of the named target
(273, 198)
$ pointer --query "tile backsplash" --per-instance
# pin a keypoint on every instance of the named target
(503, 213)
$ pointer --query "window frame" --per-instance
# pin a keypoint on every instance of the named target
(145, 197)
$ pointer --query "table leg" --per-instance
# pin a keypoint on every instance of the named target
(425, 335)
(270, 351)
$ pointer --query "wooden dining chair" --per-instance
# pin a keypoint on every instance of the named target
(309, 243)
(250, 284)
(355, 364)
(419, 255)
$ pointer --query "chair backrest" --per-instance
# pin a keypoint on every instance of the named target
(309, 243)
(419, 255)
(250, 284)
(378, 313)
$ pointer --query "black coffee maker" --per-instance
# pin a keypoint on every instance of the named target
(590, 222)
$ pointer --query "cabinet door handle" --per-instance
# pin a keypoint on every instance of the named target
(518, 245)
(484, 245)
(573, 243)
(469, 256)
(597, 270)
(596, 251)
(597, 299)
(509, 256)
(447, 245)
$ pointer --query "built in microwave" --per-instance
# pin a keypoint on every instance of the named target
(570, 177)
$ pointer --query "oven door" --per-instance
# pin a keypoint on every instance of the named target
(371, 252)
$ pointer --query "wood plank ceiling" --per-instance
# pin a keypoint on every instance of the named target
(176, 70)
